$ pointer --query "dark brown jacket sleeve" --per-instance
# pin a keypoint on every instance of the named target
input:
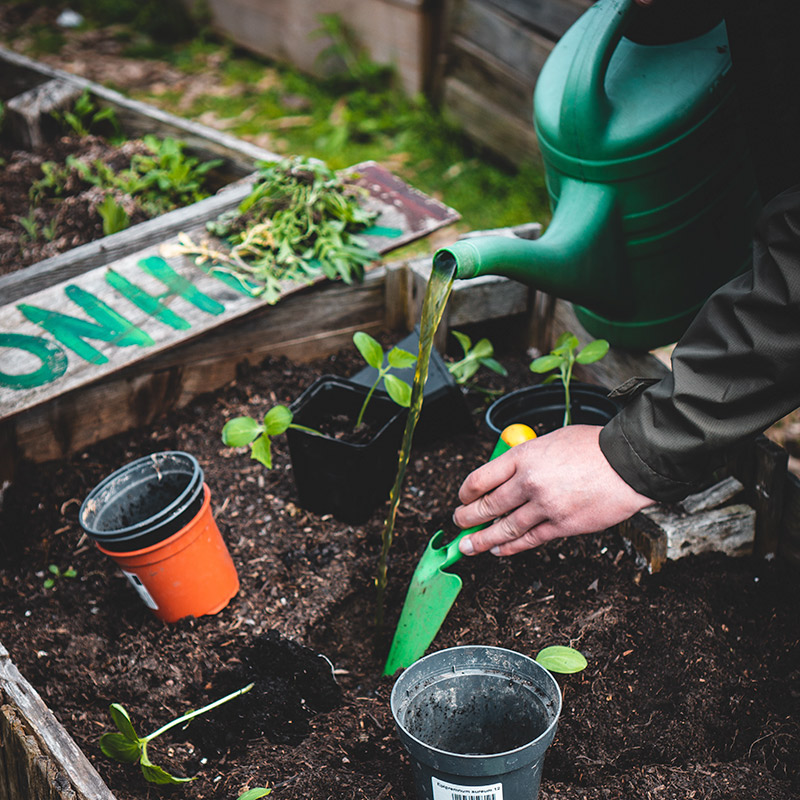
(734, 372)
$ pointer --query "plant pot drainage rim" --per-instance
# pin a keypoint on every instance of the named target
(448, 669)
(186, 499)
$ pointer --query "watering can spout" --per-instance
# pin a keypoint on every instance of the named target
(579, 258)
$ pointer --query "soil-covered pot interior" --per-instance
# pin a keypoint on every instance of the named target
(692, 688)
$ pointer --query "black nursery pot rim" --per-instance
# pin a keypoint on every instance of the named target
(523, 405)
(328, 380)
(186, 502)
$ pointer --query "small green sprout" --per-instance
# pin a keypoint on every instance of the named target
(254, 794)
(563, 357)
(372, 353)
(558, 658)
(243, 431)
(475, 357)
(114, 216)
(56, 574)
(127, 746)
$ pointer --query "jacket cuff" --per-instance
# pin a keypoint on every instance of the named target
(634, 470)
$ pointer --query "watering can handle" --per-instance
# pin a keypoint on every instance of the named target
(510, 437)
(590, 107)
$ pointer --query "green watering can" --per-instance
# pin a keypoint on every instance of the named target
(651, 185)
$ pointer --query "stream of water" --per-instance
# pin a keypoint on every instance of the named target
(437, 292)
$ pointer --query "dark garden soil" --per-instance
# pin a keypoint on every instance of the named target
(692, 688)
(33, 229)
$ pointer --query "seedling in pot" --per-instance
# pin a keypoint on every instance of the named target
(475, 356)
(127, 746)
(563, 357)
(244, 431)
(56, 574)
(396, 388)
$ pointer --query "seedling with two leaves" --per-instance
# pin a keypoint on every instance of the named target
(563, 357)
(244, 431)
(127, 746)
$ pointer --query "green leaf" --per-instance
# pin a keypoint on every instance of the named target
(254, 794)
(240, 431)
(120, 748)
(261, 450)
(369, 348)
(566, 338)
(495, 366)
(400, 359)
(558, 658)
(70, 573)
(54, 569)
(593, 351)
(277, 420)
(545, 363)
(123, 722)
(155, 774)
(398, 390)
(49, 583)
(463, 340)
(483, 349)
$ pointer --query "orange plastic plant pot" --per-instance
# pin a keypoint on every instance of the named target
(191, 573)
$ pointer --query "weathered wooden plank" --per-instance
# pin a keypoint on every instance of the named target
(490, 124)
(712, 497)
(45, 761)
(789, 545)
(552, 17)
(396, 32)
(491, 78)
(27, 113)
(501, 37)
(729, 530)
(158, 321)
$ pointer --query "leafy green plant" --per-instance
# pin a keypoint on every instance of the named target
(299, 221)
(373, 354)
(56, 574)
(127, 746)
(558, 658)
(475, 357)
(243, 431)
(29, 224)
(114, 216)
(563, 357)
(86, 116)
(247, 431)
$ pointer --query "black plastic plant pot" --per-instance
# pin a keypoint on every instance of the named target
(334, 476)
(144, 502)
(542, 407)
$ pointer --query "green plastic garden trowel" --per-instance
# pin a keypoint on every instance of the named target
(433, 591)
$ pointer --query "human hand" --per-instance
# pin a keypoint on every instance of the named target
(557, 485)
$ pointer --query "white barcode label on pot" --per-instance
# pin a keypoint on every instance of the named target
(450, 791)
(142, 589)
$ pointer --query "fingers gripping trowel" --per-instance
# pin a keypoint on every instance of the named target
(433, 591)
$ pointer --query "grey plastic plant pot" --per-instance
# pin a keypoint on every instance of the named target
(476, 721)
(541, 406)
(144, 502)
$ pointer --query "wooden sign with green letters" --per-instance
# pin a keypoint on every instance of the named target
(71, 334)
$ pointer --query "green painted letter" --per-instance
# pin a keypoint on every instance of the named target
(53, 358)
